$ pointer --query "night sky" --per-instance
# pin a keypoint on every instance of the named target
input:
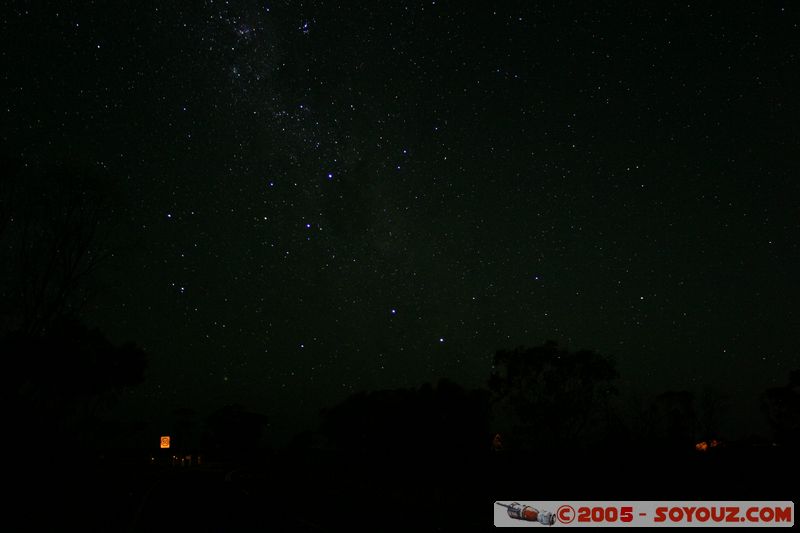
(321, 198)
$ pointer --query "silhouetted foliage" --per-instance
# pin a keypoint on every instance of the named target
(306, 440)
(61, 376)
(712, 409)
(58, 381)
(185, 429)
(234, 431)
(671, 421)
(441, 418)
(781, 405)
(51, 239)
(548, 397)
(71, 361)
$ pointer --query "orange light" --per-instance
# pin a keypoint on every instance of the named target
(701, 446)
(165, 442)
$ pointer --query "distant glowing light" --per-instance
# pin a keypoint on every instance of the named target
(704, 446)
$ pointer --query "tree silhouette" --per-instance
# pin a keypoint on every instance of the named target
(233, 431)
(713, 407)
(671, 421)
(50, 242)
(58, 382)
(59, 374)
(428, 419)
(546, 397)
(185, 430)
(781, 405)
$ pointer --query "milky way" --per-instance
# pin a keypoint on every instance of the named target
(326, 198)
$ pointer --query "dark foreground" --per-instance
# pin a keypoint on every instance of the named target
(321, 491)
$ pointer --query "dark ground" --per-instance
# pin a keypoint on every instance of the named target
(318, 491)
